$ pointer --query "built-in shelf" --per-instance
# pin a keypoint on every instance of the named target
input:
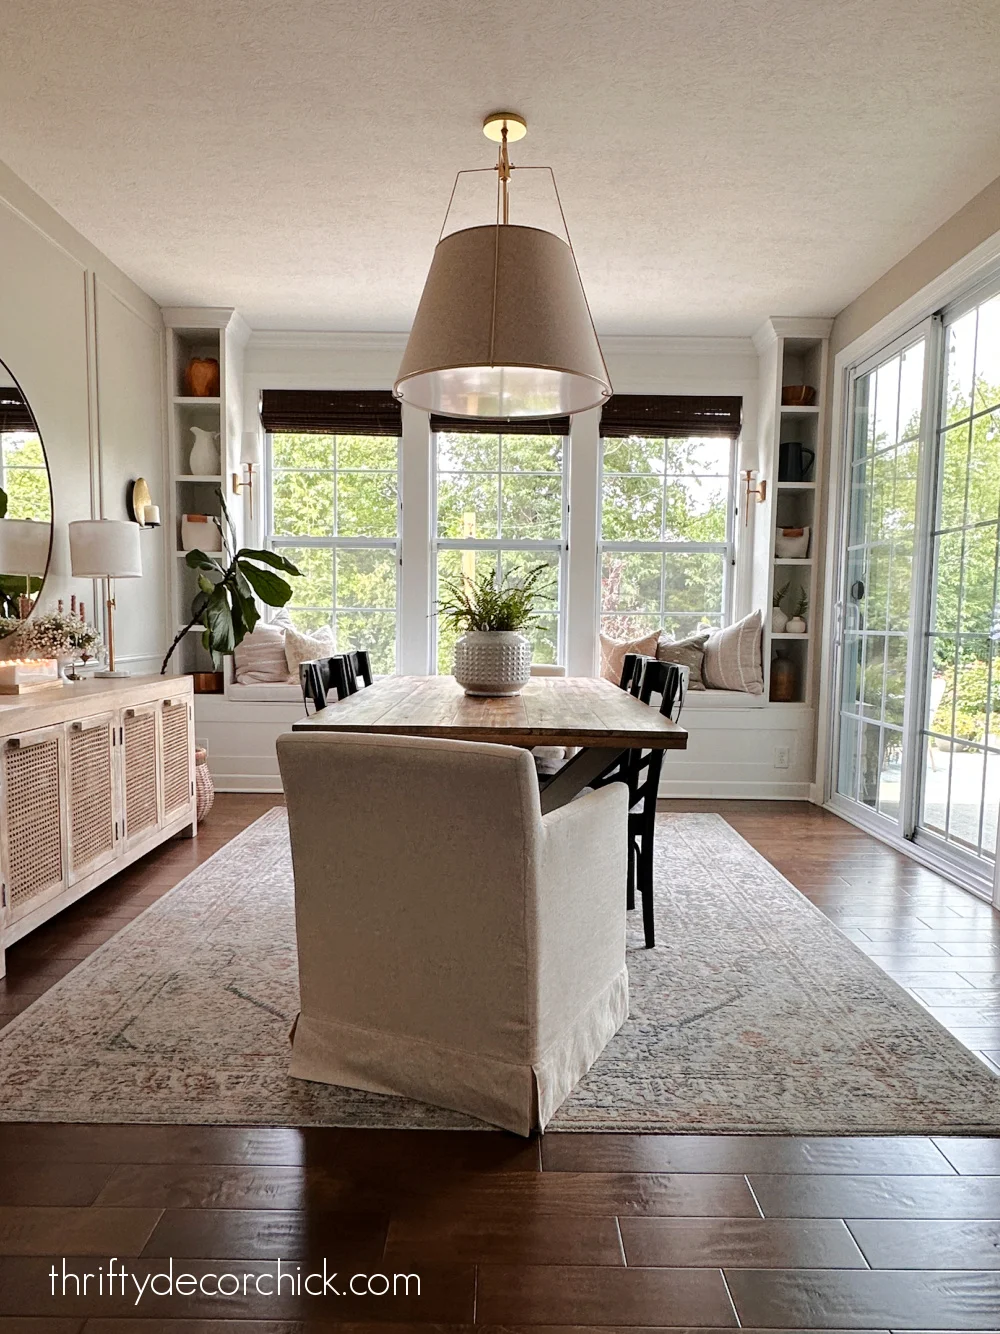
(793, 410)
(793, 560)
(189, 401)
(796, 486)
(791, 637)
(199, 477)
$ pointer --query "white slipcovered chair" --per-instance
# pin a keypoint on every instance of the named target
(455, 945)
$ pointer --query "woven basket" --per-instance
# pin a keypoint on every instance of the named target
(492, 662)
(204, 787)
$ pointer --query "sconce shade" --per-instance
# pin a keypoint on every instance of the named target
(252, 452)
(503, 330)
(105, 549)
(24, 546)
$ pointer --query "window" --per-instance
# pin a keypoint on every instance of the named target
(501, 499)
(666, 533)
(333, 508)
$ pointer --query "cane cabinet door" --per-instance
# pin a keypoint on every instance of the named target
(94, 821)
(32, 837)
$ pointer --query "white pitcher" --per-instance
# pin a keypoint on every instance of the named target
(204, 461)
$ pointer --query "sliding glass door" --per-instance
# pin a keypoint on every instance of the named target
(874, 641)
(960, 733)
(916, 708)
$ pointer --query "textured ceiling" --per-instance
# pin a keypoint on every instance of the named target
(719, 160)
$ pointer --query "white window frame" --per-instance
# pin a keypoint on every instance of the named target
(498, 545)
(726, 549)
(280, 542)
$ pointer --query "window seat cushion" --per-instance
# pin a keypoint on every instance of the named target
(277, 692)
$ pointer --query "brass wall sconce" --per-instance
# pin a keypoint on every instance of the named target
(140, 505)
(759, 491)
(251, 457)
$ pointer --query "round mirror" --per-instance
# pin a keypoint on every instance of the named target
(25, 505)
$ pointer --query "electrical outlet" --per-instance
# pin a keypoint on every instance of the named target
(781, 757)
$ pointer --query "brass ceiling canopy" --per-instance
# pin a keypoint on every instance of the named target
(503, 328)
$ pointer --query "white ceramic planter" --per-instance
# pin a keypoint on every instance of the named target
(796, 626)
(778, 621)
(492, 662)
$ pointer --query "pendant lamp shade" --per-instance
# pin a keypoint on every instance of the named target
(503, 330)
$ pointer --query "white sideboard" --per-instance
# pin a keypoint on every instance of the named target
(93, 775)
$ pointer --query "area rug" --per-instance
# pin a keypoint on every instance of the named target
(753, 1014)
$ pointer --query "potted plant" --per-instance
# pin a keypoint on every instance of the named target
(779, 619)
(225, 604)
(492, 657)
(797, 624)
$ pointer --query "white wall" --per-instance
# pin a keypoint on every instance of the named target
(87, 347)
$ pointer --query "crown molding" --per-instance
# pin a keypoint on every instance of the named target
(791, 326)
(327, 340)
(651, 345)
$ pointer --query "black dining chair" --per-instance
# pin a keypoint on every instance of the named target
(640, 769)
(341, 673)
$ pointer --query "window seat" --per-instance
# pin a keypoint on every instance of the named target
(278, 692)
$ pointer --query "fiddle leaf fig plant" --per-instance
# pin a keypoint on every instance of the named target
(225, 604)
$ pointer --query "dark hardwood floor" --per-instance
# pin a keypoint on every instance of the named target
(570, 1231)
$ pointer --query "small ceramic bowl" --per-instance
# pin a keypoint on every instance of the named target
(798, 395)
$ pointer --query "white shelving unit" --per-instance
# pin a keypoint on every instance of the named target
(792, 352)
(200, 332)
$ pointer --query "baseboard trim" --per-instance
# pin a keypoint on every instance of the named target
(731, 791)
(247, 783)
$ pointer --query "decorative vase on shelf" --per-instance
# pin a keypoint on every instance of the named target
(201, 377)
(779, 620)
(784, 679)
(492, 662)
(204, 459)
(796, 626)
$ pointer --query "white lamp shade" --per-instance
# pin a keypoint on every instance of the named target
(24, 546)
(105, 549)
(503, 330)
(253, 449)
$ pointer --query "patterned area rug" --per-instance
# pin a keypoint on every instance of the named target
(753, 1014)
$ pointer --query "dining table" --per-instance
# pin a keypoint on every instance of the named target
(583, 713)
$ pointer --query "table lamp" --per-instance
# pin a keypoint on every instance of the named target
(106, 549)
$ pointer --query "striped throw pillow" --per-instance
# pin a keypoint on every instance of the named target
(733, 657)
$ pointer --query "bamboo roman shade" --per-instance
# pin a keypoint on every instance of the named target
(671, 415)
(331, 411)
(502, 425)
(15, 415)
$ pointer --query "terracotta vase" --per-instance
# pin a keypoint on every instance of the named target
(201, 378)
(784, 679)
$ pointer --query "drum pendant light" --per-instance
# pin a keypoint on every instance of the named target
(503, 328)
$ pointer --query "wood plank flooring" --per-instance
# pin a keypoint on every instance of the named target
(570, 1232)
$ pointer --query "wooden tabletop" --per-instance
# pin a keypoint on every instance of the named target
(550, 711)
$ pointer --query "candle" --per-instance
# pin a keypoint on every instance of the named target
(151, 516)
(17, 674)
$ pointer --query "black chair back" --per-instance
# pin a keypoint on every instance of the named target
(665, 679)
(317, 680)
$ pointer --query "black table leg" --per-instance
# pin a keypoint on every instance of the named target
(578, 773)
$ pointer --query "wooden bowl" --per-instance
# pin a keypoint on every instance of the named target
(798, 395)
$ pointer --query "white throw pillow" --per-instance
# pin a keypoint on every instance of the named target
(260, 658)
(733, 657)
(301, 647)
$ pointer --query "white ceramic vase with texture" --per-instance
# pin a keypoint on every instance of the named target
(778, 621)
(204, 460)
(492, 662)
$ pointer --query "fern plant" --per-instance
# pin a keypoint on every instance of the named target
(801, 604)
(488, 603)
